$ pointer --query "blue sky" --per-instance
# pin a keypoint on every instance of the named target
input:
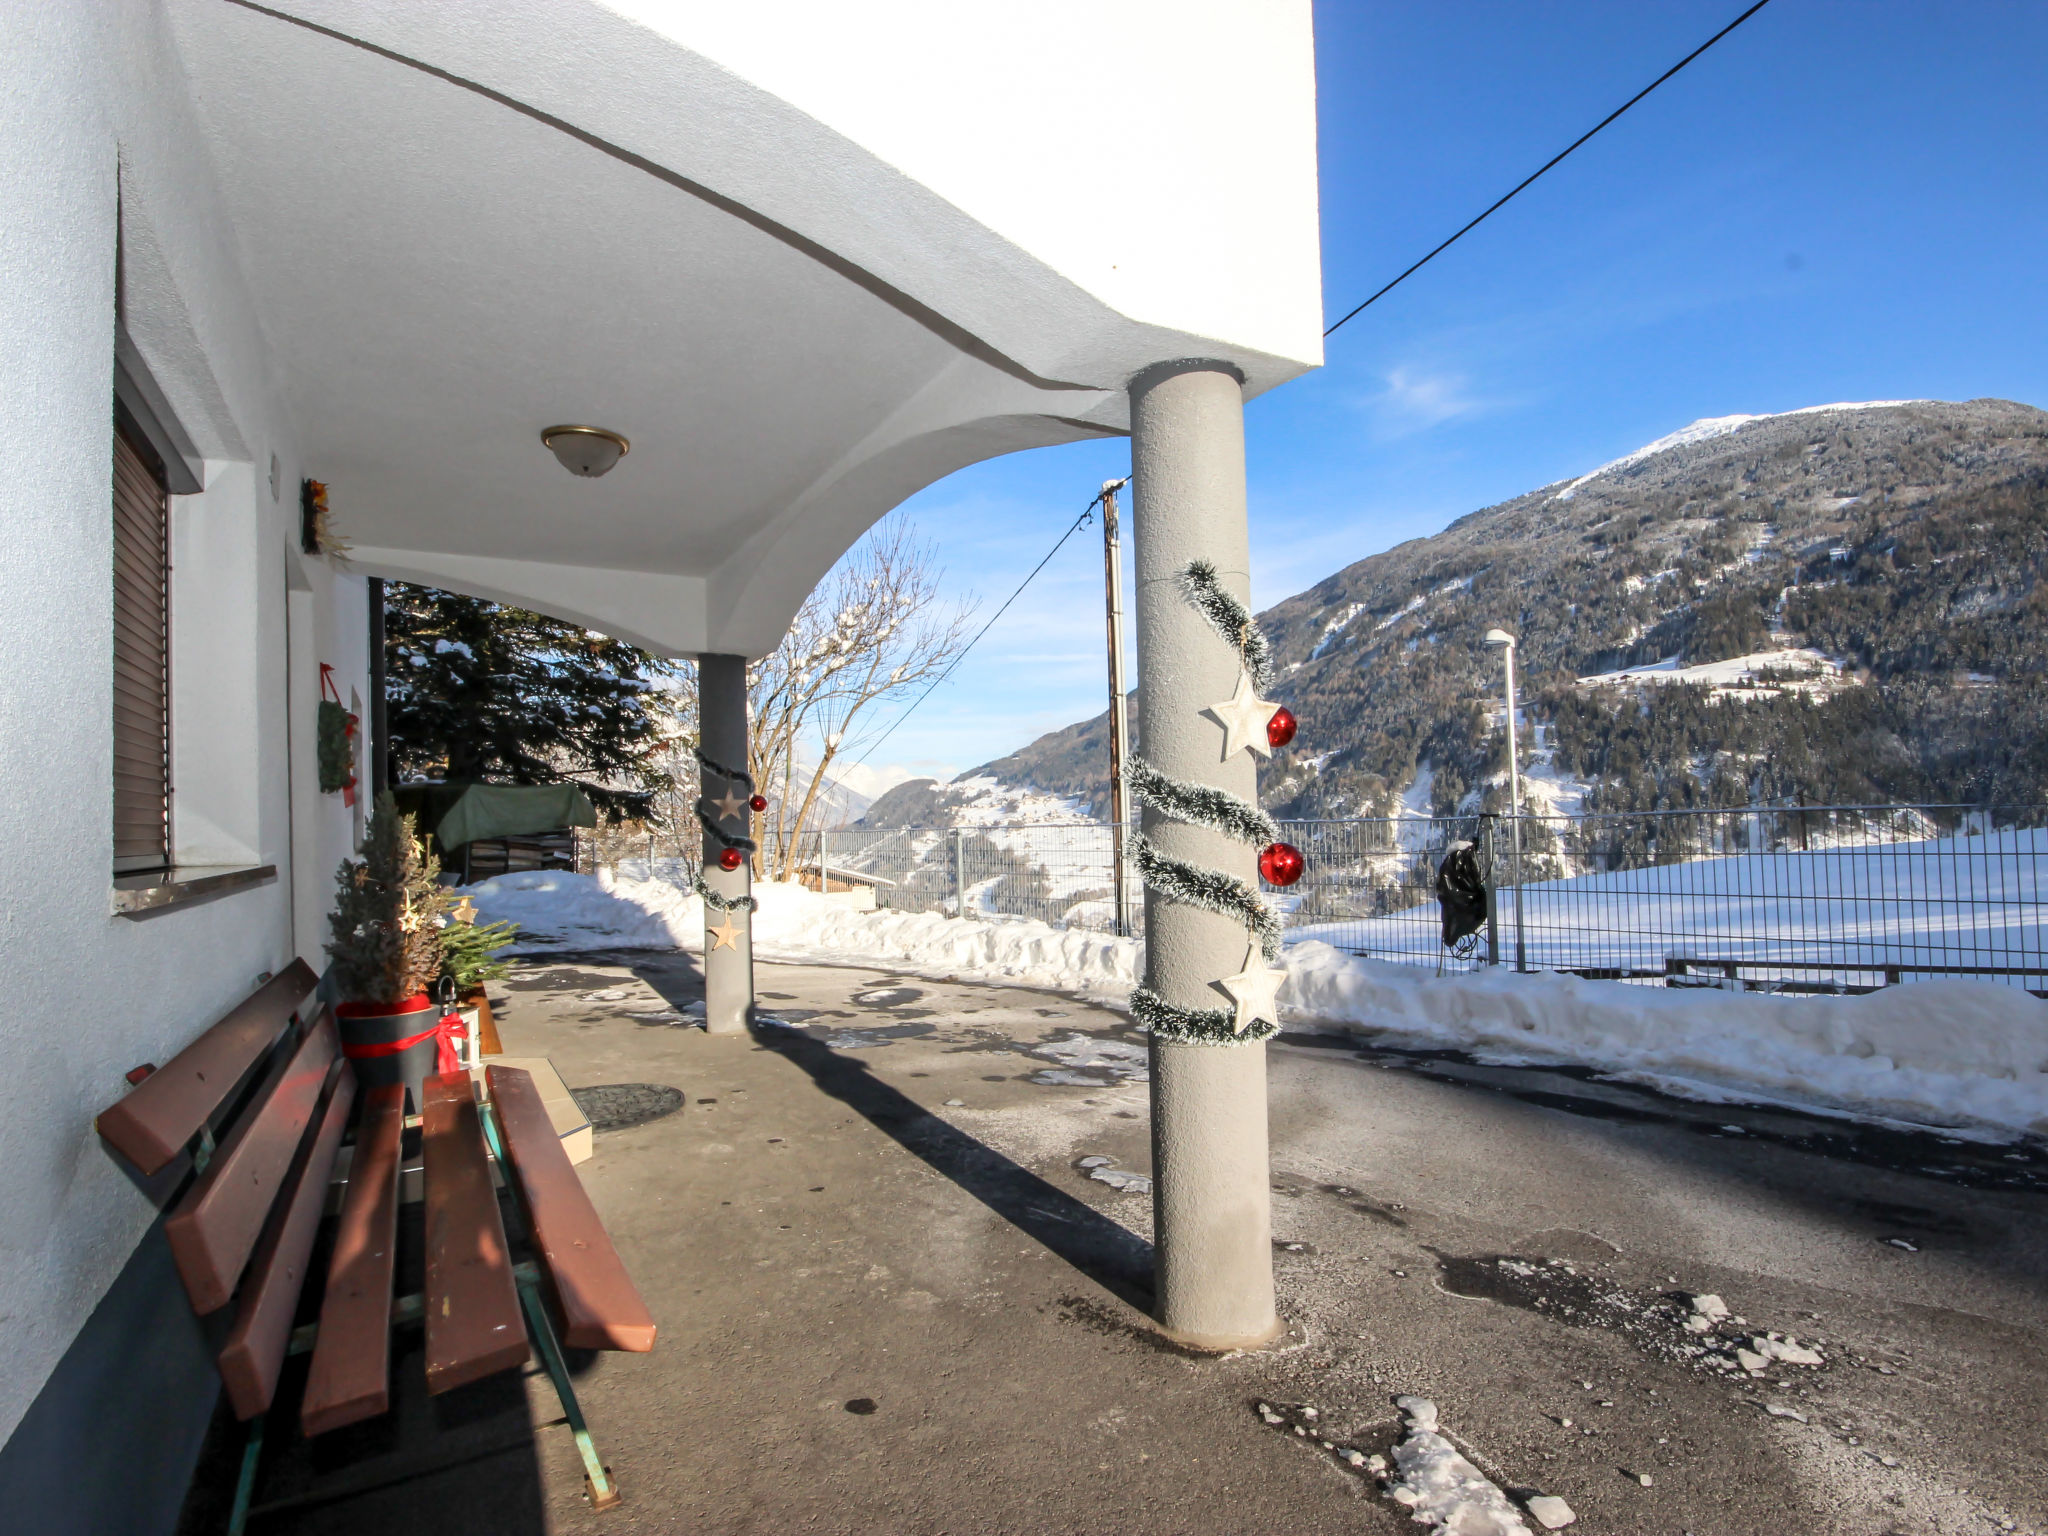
(1843, 200)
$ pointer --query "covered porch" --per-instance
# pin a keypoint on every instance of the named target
(796, 263)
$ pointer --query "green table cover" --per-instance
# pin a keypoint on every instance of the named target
(513, 810)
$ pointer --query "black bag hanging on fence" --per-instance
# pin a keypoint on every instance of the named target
(1462, 890)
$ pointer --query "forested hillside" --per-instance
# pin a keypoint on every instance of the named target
(1879, 568)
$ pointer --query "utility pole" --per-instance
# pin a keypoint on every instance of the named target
(1113, 581)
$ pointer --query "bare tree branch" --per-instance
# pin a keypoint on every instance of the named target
(873, 630)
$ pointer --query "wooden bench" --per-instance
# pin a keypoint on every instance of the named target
(259, 1106)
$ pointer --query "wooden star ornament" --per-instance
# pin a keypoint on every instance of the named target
(1243, 717)
(726, 935)
(731, 805)
(1256, 991)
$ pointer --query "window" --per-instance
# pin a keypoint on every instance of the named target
(142, 652)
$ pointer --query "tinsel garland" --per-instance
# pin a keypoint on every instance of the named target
(718, 903)
(1200, 805)
(730, 775)
(710, 823)
(1204, 805)
(726, 839)
(1230, 619)
(1210, 890)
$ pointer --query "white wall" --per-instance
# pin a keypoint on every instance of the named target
(97, 145)
(1158, 153)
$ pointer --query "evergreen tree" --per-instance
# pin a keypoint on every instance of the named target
(477, 690)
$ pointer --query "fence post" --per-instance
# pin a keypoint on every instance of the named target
(824, 864)
(959, 872)
(1521, 952)
(1492, 914)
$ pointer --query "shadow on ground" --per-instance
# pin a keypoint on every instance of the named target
(1112, 1256)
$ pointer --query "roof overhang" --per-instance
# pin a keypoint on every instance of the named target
(458, 234)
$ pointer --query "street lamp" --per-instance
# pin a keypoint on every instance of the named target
(1506, 642)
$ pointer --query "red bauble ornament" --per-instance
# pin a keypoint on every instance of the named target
(1280, 729)
(731, 859)
(1280, 864)
(758, 803)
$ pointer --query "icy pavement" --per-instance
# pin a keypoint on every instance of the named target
(1663, 1315)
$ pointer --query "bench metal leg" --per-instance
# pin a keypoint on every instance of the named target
(603, 1492)
(245, 1481)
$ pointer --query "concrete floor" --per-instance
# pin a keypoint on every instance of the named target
(892, 1301)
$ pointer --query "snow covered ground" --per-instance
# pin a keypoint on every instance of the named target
(1758, 675)
(557, 910)
(1965, 1054)
(1970, 1055)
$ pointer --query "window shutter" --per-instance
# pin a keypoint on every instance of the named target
(142, 715)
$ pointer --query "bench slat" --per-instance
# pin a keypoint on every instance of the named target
(164, 1112)
(597, 1301)
(216, 1225)
(474, 1326)
(255, 1350)
(350, 1378)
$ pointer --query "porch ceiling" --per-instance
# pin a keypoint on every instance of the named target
(445, 260)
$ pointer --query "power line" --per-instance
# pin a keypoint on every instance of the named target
(1553, 160)
(1078, 524)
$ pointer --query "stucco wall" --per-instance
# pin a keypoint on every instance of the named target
(98, 153)
(1158, 153)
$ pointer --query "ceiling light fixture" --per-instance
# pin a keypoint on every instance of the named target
(586, 451)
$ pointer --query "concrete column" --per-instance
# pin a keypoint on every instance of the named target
(728, 969)
(1211, 1195)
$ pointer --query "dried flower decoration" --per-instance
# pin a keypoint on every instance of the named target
(316, 529)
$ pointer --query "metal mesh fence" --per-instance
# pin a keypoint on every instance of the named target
(1058, 873)
(1791, 899)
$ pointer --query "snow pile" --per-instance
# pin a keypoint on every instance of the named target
(1945, 1052)
(796, 924)
(1441, 1487)
(1948, 1052)
(557, 910)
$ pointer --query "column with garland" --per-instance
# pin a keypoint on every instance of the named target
(1209, 997)
(726, 804)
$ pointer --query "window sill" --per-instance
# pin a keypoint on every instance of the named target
(160, 890)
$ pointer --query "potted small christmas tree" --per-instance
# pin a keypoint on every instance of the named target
(469, 958)
(387, 953)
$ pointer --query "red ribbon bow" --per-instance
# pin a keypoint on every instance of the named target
(444, 1035)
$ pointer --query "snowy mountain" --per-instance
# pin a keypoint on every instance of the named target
(838, 804)
(1841, 603)
(975, 799)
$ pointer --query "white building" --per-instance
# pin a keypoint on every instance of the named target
(807, 256)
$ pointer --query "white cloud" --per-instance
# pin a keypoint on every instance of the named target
(1415, 401)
